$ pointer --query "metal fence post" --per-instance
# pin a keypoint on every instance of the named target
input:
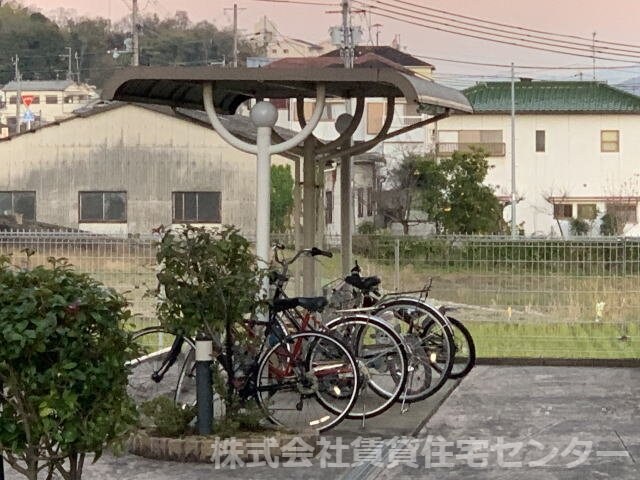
(397, 265)
(204, 385)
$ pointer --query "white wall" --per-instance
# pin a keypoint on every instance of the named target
(571, 165)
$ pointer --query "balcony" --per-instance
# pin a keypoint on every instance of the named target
(446, 149)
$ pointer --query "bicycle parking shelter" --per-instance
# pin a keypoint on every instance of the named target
(220, 91)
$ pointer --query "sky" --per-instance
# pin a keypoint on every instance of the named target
(613, 21)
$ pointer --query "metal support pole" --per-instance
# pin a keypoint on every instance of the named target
(346, 210)
(320, 218)
(309, 216)
(297, 227)
(263, 199)
(204, 385)
(514, 226)
(18, 92)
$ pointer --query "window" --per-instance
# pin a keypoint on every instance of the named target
(51, 99)
(103, 207)
(375, 117)
(13, 99)
(610, 141)
(562, 210)
(624, 212)
(360, 202)
(36, 100)
(328, 208)
(68, 99)
(369, 201)
(18, 203)
(308, 111)
(480, 136)
(540, 140)
(196, 207)
(587, 211)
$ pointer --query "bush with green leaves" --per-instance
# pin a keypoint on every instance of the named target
(208, 283)
(62, 363)
(166, 418)
(207, 278)
(579, 227)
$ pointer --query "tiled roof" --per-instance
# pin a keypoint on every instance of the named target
(368, 60)
(551, 97)
(390, 53)
(38, 85)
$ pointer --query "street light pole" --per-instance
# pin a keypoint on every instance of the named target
(514, 227)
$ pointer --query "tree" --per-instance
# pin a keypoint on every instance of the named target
(451, 192)
(469, 205)
(395, 203)
(281, 197)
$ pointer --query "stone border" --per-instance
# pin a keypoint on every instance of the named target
(559, 362)
(199, 449)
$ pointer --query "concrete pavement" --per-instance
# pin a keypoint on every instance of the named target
(514, 422)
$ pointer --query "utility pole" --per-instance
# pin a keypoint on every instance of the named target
(135, 61)
(514, 226)
(68, 57)
(77, 66)
(347, 43)
(18, 76)
(234, 55)
(235, 35)
(377, 26)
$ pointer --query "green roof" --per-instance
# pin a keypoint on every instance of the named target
(551, 97)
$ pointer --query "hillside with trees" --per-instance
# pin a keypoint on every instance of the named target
(99, 47)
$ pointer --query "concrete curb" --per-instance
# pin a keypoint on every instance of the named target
(560, 362)
(198, 449)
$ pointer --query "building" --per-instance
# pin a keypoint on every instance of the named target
(51, 100)
(276, 45)
(368, 170)
(576, 151)
(125, 169)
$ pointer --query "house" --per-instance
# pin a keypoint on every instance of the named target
(576, 151)
(267, 36)
(124, 169)
(50, 100)
(368, 170)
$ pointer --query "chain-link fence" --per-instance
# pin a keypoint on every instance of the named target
(577, 298)
(125, 263)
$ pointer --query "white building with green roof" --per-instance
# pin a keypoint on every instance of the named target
(577, 151)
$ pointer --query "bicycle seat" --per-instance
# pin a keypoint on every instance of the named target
(363, 283)
(313, 304)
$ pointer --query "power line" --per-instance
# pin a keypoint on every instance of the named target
(564, 35)
(590, 46)
(534, 67)
(401, 18)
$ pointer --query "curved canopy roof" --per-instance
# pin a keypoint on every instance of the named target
(182, 86)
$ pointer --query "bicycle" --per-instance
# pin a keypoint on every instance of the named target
(420, 316)
(304, 380)
(379, 350)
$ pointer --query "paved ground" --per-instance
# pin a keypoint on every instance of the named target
(514, 422)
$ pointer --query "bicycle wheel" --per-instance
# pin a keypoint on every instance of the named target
(430, 354)
(382, 362)
(156, 370)
(464, 358)
(300, 375)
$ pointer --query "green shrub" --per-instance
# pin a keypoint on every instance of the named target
(165, 418)
(62, 363)
(579, 227)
